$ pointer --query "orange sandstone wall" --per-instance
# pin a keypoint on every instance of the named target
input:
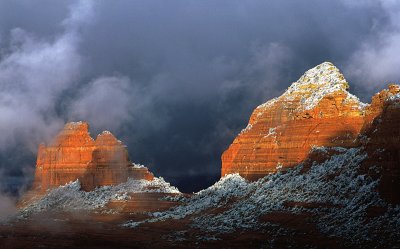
(316, 110)
(74, 154)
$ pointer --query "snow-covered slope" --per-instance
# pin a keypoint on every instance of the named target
(70, 196)
(314, 85)
(340, 195)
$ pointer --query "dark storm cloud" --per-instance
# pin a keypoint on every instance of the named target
(376, 61)
(34, 72)
(176, 80)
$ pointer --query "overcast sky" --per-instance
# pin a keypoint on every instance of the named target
(175, 80)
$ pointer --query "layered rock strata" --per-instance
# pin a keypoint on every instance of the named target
(74, 154)
(314, 111)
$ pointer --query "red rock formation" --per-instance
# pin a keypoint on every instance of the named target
(381, 139)
(314, 111)
(75, 155)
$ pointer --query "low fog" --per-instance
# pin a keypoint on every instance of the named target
(174, 80)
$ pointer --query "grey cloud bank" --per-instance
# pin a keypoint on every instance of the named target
(175, 80)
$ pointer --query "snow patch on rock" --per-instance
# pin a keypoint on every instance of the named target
(248, 127)
(314, 85)
(317, 83)
(70, 197)
(232, 185)
(346, 195)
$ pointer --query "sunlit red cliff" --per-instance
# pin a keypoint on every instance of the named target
(74, 154)
(317, 110)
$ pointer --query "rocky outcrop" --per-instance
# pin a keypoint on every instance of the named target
(314, 111)
(74, 154)
(381, 140)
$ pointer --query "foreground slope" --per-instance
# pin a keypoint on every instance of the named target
(327, 204)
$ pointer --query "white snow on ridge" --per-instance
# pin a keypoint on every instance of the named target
(105, 133)
(335, 182)
(269, 103)
(138, 166)
(70, 196)
(232, 185)
(314, 84)
(395, 99)
(318, 82)
(248, 127)
(77, 123)
(312, 87)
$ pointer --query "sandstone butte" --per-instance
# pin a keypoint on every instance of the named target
(74, 154)
(318, 111)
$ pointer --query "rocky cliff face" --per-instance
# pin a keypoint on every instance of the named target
(74, 154)
(314, 111)
(381, 140)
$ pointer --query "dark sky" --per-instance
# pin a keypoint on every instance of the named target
(175, 80)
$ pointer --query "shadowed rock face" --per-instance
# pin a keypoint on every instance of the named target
(316, 110)
(381, 140)
(74, 154)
